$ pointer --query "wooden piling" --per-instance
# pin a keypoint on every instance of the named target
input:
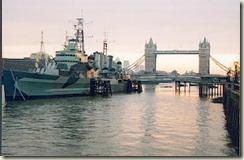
(100, 87)
(184, 86)
(189, 86)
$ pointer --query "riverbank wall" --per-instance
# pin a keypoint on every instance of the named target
(231, 103)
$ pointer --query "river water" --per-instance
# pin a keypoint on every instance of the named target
(156, 122)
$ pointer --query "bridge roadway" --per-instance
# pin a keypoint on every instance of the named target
(177, 52)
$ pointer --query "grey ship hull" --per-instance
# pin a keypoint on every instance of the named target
(115, 86)
(26, 85)
(19, 85)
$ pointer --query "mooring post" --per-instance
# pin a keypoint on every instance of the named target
(212, 90)
(179, 86)
(209, 91)
(220, 89)
(206, 89)
(184, 86)
(217, 89)
(189, 86)
(200, 89)
(175, 86)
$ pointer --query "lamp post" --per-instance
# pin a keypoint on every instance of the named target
(236, 72)
(228, 75)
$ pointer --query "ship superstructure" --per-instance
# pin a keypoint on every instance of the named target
(74, 50)
(69, 73)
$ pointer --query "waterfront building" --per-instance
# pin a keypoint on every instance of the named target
(116, 59)
(141, 67)
(137, 69)
(126, 63)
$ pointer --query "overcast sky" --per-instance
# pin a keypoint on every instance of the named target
(172, 24)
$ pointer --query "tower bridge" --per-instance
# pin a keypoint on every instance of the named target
(151, 53)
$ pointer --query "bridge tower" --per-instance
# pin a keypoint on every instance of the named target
(204, 57)
(150, 56)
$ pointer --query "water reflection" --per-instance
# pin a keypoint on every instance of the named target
(149, 87)
(202, 124)
(153, 123)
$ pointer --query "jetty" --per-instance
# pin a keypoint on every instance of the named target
(209, 85)
(100, 87)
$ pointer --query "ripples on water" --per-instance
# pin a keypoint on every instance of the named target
(157, 122)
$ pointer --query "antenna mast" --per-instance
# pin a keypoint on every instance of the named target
(80, 35)
(66, 39)
(42, 49)
(105, 43)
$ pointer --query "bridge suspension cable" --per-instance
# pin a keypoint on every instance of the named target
(221, 65)
(137, 63)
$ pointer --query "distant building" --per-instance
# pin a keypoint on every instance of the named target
(126, 64)
(36, 60)
(137, 69)
(116, 59)
(190, 73)
(21, 64)
(141, 67)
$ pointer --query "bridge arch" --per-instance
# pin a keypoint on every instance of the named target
(203, 52)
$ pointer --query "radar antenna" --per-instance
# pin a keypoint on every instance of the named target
(80, 35)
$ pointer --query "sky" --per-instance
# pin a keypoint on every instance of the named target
(172, 24)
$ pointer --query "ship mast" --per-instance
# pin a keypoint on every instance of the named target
(66, 40)
(42, 49)
(105, 44)
(105, 47)
(80, 35)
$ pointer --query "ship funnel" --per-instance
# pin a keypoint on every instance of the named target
(97, 59)
(109, 62)
(119, 66)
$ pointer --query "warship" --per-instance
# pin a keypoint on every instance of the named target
(69, 73)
